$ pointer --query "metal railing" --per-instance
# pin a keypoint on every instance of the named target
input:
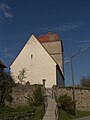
(56, 113)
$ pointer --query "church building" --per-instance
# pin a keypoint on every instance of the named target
(42, 58)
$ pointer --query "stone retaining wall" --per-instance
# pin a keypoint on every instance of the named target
(82, 96)
(21, 93)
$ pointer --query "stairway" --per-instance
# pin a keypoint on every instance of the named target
(52, 105)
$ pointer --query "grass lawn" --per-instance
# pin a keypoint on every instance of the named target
(9, 112)
(38, 114)
(64, 116)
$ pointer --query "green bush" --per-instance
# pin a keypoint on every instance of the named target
(38, 96)
(66, 104)
(37, 99)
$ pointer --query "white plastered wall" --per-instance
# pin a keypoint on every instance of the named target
(38, 63)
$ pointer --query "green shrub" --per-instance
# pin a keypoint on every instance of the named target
(66, 104)
(37, 99)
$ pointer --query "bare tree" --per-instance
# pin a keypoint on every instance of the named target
(21, 75)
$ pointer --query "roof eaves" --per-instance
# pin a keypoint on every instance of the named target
(2, 64)
(60, 71)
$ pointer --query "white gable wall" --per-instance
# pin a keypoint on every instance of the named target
(40, 66)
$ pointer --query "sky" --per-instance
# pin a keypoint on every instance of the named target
(70, 19)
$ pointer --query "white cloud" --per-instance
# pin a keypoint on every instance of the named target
(7, 53)
(66, 27)
(5, 11)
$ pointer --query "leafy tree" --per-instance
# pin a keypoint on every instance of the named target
(66, 104)
(6, 84)
(21, 75)
(85, 81)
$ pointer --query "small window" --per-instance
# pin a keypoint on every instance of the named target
(43, 80)
(31, 56)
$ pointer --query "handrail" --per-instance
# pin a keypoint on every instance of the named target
(56, 113)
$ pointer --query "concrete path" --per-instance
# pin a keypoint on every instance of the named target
(50, 112)
(84, 118)
(51, 108)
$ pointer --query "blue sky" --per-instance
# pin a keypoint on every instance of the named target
(19, 19)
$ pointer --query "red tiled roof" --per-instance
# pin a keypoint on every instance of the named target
(48, 37)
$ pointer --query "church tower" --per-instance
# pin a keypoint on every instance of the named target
(53, 44)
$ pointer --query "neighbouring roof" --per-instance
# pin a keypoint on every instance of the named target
(48, 37)
(2, 64)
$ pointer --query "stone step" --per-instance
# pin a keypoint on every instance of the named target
(49, 92)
